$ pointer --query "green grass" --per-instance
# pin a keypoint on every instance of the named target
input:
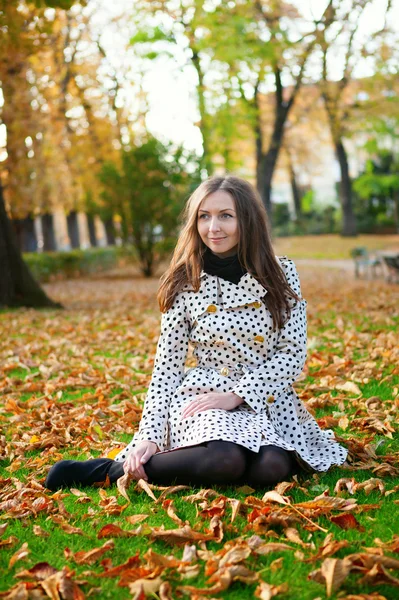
(333, 247)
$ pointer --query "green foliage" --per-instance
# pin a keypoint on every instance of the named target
(150, 189)
(149, 36)
(377, 189)
(62, 265)
(64, 4)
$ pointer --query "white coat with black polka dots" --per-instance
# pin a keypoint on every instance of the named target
(236, 350)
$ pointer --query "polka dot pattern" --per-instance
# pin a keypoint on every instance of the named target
(236, 350)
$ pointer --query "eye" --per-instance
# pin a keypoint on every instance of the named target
(202, 216)
(227, 215)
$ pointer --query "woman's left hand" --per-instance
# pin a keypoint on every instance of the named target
(221, 400)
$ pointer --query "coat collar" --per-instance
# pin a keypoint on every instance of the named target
(246, 291)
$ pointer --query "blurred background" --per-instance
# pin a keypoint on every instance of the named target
(112, 113)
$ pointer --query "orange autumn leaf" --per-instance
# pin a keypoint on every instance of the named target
(347, 521)
(91, 556)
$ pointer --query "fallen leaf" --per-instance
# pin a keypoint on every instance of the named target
(347, 521)
(19, 555)
(147, 587)
(40, 571)
(110, 530)
(146, 488)
(91, 556)
(266, 591)
(123, 483)
(134, 519)
(37, 530)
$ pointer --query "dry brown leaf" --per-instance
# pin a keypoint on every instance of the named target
(131, 563)
(19, 555)
(272, 547)
(266, 591)
(71, 530)
(216, 528)
(111, 530)
(172, 489)
(145, 586)
(134, 519)
(169, 506)
(235, 555)
(39, 571)
(372, 596)
(245, 489)
(277, 564)
(91, 556)
(165, 591)
(224, 578)
(17, 592)
(377, 575)
(347, 521)
(122, 485)
(292, 535)
(142, 484)
(10, 541)
(37, 530)
(180, 536)
(349, 386)
(61, 585)
(335, 571)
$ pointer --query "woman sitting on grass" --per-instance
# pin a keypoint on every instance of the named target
(234, 417)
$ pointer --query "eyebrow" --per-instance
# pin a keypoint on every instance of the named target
(222, 210)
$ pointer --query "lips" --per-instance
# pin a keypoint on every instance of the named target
(217, 239)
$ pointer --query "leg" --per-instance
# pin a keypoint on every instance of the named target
(67, 473)
(215, 462)
(269, 466)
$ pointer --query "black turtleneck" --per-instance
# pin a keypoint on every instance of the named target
(228, 268)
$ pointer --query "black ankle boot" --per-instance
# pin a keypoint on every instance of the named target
(97, 471)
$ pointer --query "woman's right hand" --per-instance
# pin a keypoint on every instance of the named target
(139, 455)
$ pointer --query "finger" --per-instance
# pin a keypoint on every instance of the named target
(141, 474)
(146, 456)
(189, 412)
(199, 409)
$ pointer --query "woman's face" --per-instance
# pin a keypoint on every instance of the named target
(217, 223)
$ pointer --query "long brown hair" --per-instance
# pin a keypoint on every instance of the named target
(255, 251)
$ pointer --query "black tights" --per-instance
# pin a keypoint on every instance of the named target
(210, 463)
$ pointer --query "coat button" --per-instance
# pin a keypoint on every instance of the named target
(259, 339)
(212, 308)
(224, 371)
(270, 400)
(257, 304)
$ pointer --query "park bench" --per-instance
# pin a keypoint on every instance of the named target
(364, 263)
(392, 265)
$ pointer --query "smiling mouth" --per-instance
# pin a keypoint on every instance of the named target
(216, 239)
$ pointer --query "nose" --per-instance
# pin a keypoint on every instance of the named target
(214, 224)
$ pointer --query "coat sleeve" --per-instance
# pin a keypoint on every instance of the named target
(167, 374)
(285, 365)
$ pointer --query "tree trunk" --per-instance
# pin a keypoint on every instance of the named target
(296, 195)
(17, 285)
(109, 231)
(348, 217)
(92, 231)
(395, 197)
(266, 161)
(206, 158)
(49, 242)
(73, 229)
